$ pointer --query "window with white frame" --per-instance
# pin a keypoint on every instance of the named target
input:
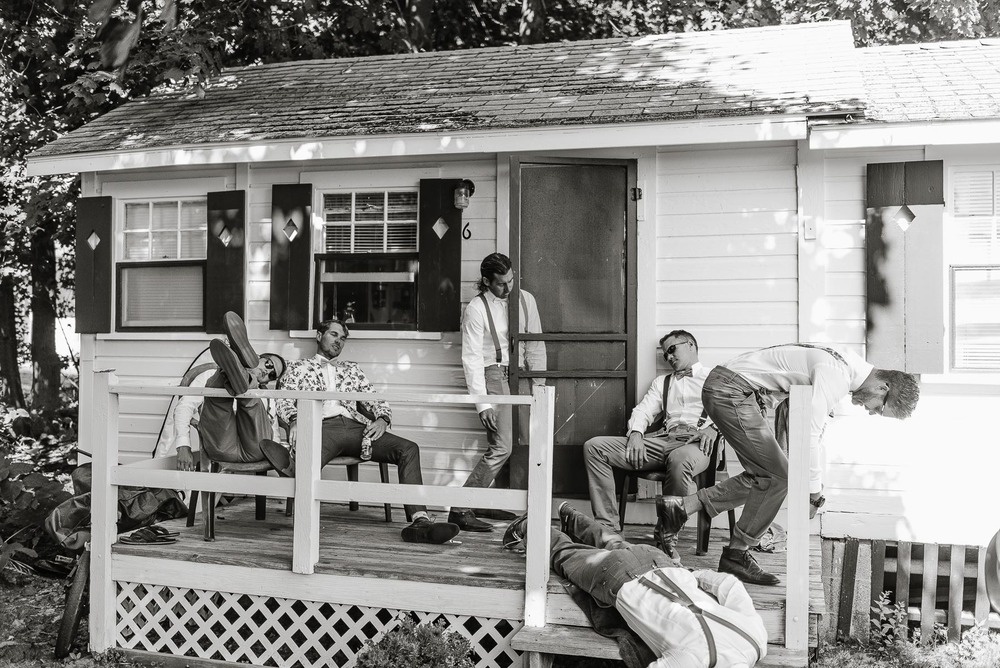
(161, 265)
(367, 258)
(974, 269)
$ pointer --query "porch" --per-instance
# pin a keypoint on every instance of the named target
(309, 590)
(236, 600)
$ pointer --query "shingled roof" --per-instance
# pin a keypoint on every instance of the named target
(943, 81)
(808, 69)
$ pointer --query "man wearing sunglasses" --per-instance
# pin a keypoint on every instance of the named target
(666, 432)
(736, 396)
(230, 430)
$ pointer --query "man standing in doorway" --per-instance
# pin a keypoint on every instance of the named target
(736, 395)
(679, 443)
(486, 359)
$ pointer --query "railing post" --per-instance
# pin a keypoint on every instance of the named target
(536, 580)
(797, 585)
(308, 448)
(104, 513)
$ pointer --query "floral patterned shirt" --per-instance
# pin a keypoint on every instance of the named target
(308, 374)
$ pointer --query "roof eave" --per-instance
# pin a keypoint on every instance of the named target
(568, 137)
(908, 133)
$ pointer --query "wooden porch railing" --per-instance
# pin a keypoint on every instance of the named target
(308, 488)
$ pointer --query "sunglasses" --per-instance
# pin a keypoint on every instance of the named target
(271, 368)
(672, 349)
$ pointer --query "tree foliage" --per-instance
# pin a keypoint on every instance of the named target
(67, 61)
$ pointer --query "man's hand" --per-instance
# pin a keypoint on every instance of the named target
(185, 460)
(705, 438)
(635, 450)
(292, 432)
(816, 501)
(489, 419)
(375, 429)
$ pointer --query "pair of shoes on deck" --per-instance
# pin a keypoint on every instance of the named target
(237, 358)
(466, 520)
(513, 537)
(152, 535)
(423, 530)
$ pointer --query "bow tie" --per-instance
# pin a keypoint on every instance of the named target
(683, 373)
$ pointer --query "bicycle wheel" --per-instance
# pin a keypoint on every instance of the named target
(74, 606)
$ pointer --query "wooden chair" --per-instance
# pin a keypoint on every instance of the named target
(352, 464)
(707, 478)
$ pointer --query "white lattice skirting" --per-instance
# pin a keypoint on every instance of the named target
(270, 631)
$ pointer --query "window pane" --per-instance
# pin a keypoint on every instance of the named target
(137, 216)
(369, 206)
(338, 239)
(164, 246)
(368, 290)
(402, 206)
(401, 237)
(369, 238)
(165, 296)
(976, 319)
(974, 194)
(193, 245)
(337, 207)
(164, 215)
(194, 215)
(137, 245)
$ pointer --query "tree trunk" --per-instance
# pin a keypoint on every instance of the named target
(419, 24)
(532, 27)
(11, 392)
(46, 364)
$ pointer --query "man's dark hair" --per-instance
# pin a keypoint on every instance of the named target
(680, 333)
(324, 327)
(277, 359)
(494, 264)
(904, 391)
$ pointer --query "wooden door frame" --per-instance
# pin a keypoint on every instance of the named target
(631, 276)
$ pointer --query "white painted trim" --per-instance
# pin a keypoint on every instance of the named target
(104, 510)
(168, 188)
(503, 205)
(323, 588)
(810, 175)
(708, 131)
(885, 135)
(538, 533)
(382, 178)
(157, 337)
(797, 579)
(647, 229)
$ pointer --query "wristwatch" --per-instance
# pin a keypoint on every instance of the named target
(818, 502)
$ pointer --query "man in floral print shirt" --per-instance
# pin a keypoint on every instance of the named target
(357, 429)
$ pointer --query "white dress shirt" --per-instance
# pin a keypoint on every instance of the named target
(478, 350)
(331, 407)
(181, 416)
(776, 369)
(684, 405)
(673, 632)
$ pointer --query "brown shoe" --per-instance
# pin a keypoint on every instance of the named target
(422, 530)
(467, 521)
(277, 455)
(236, 332)
(742, 564)
(236, 376)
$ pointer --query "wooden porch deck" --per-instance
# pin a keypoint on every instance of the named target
(361, 544)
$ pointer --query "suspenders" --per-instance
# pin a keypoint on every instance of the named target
(493, 327)
(674, 593)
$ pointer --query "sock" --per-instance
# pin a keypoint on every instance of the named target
(420, 514)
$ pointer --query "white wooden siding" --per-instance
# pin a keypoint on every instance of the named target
(726, 246)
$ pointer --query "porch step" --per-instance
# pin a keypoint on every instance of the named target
(580, 641)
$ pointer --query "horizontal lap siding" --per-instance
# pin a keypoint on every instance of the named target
(726, 252)
(884, 478)
(451, 437)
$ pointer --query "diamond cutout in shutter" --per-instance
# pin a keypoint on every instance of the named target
(904, 217)
(225, 236)
(290, 230)
(440, 228)
(93, 240)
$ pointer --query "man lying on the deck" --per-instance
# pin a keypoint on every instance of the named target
(688, 619)
(356, 429)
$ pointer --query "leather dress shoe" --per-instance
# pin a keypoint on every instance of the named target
(743, 565)
(277, 455)
(422, 530)
(513, 537)
(670, 518)
(467, 521)
(236, 376)
(236, 332)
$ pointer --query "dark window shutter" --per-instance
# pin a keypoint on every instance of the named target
(440, 280)
(224, 267)
(291, 255)
(94, 239)
(904, 325)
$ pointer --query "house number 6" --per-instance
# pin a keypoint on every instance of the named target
(466, 232)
